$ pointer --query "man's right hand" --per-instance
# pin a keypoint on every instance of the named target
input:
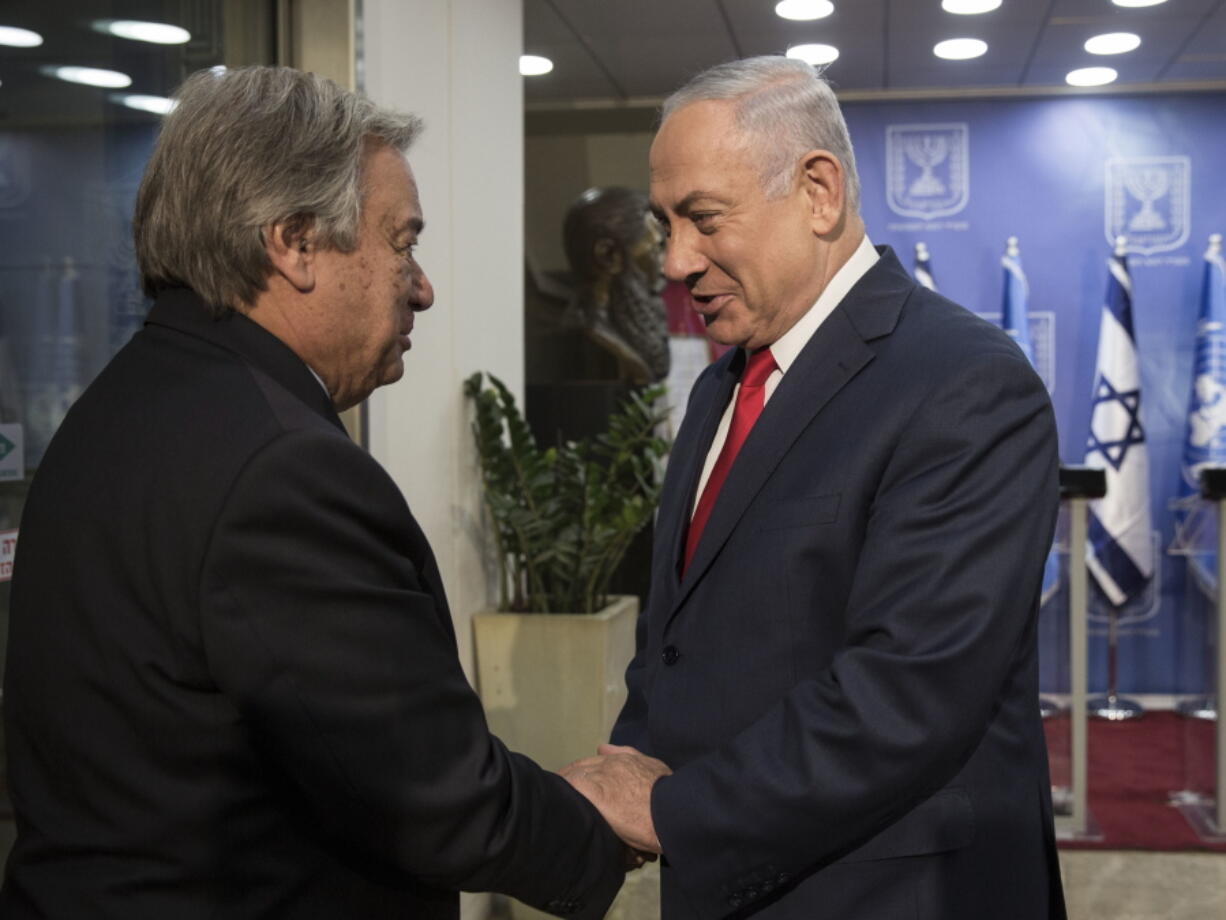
(618, 781)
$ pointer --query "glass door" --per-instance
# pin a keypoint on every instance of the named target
(82, 89)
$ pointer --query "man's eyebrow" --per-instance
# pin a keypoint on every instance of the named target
(411, 225)
(686, 204)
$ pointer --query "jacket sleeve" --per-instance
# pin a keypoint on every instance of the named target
(319, 621)
(944, 593)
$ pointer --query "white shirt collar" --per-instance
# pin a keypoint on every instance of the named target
(792, 342)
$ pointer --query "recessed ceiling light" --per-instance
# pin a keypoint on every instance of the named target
(158, 33)
(969, 7)
(533, 65)
(90, 76)
(815, 54)
(960, 49)
(158, 105)
(19, 38)
(1135, 3)
(1113, 43)
(803, 10)
(1091, 76)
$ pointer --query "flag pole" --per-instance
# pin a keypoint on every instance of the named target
(1204, 706)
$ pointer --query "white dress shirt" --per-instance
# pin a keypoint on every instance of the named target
(792, 343)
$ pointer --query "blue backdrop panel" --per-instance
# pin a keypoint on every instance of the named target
(1065, 176)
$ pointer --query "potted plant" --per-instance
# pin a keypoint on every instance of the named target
(550, 660)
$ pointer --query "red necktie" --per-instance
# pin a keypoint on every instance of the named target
(749, 401)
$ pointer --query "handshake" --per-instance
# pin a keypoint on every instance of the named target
(618, 781)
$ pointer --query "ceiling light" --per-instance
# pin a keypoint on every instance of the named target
(90, 76)
(960, 49)
(969, 7)
(158, 105)
(19, 38)
(1113, 43)
(1135, 3)
(803, 10)
(1091, 76)
(157, 33)
(533, 65)
(814, 54)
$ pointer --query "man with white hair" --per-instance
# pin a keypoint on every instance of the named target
(232, 687)
(838, 656)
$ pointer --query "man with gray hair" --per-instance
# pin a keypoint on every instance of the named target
(233, 688)
(838, 656)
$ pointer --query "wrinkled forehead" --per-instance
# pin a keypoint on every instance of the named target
(698, 147)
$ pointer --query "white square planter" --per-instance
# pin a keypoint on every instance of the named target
(553, 684)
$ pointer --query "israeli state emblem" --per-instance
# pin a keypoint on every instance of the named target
(1148, 202)
(927, 169)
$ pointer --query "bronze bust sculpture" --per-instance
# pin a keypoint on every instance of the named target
(615, 249)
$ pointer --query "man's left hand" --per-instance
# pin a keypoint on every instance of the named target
(618, 782)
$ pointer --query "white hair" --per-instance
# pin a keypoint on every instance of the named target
(246, 149)
(785, 108)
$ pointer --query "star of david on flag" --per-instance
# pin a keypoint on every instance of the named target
(1120, 551)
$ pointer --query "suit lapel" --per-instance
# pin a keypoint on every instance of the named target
(832, 357)
(689, 453)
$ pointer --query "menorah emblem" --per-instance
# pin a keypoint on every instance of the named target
(1147, 186)
(1162, 186)
(928, 195)
(926, 151)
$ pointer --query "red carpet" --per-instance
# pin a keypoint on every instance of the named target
(1133, 768)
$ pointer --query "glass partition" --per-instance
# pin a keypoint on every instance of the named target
(82, 89)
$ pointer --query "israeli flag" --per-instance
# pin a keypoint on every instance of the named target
(1120, 554)
(923, 267)
(1013, 304)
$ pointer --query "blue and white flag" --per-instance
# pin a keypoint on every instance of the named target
(1120, 554)
(923, 267)
(1205, 443)
(1014, 321)
(1013, 317)
(1206, 439)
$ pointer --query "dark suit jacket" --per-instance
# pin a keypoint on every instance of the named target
(845, 679)
(232, 686)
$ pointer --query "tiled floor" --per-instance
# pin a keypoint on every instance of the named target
(1118, 885)
(1098, 885)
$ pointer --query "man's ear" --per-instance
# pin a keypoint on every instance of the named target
(608, 256)
(823, 182)
(291, 249)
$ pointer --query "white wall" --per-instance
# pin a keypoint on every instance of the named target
(454, 63)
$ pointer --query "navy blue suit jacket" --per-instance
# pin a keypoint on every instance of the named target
(845, 679)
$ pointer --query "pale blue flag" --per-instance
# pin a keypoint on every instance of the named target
(1205, 444)
(1120, 551)
(923, 267)
(1013, 317)
(1014, 321)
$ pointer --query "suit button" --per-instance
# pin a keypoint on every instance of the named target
(670, 655)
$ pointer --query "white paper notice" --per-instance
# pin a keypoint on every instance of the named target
(690, 356)
(8, 549)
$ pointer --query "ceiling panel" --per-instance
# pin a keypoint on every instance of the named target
(651, 46)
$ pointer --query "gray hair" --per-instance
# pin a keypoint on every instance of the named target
(788, 107)
(242, 150)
